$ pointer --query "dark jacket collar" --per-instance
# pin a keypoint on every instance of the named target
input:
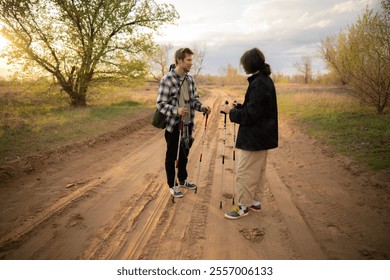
(254, 76)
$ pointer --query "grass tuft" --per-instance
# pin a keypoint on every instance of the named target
(342, 122)
(32, 122)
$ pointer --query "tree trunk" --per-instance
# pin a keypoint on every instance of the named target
(78, 100)
(76, 86)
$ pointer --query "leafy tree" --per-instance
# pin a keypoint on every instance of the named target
(80, 41)
(231, 76)
(361, 57)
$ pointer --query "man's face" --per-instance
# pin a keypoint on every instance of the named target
(186, 63)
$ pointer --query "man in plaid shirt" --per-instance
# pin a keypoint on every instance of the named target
(178, 99)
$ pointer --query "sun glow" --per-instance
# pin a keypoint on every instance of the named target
(3, 42)
(3, 61)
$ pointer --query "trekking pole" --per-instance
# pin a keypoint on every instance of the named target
(234, 162)
(177, 156)
(234, 158)
(187, 137)
(201, 150)
(223, 153)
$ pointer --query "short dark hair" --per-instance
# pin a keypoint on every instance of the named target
(181, 54)
(253, 60)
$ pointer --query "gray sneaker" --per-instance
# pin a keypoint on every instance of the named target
(176, 192)
(236, 212)
(187, 185)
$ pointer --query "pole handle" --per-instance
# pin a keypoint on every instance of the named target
(226, 103)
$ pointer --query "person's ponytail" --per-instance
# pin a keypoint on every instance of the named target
(266, 69)
(253, 61)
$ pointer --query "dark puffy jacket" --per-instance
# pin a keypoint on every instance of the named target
(258, 116)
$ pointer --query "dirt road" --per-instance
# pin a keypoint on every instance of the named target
(109, 200)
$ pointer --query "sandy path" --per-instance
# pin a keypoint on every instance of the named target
(110, 201)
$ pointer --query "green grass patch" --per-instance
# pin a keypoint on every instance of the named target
(340, 121)
(32, 122)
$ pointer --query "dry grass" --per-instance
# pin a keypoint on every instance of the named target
(33, 120)
(341, 121)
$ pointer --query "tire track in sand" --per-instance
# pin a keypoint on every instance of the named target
(180, 228)
(17, 235)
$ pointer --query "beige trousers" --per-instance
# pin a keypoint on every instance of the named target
(250, 178)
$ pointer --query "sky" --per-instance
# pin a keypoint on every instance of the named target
(284, 30)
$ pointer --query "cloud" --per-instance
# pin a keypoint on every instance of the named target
(353, 6)
(285, 30)
(344, 7)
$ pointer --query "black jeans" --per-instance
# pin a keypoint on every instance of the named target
(172, 139)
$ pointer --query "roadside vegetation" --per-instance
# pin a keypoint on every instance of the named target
(336, 119)
(341, 121)
(32, 121)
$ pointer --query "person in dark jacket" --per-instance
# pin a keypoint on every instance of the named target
(257, 133)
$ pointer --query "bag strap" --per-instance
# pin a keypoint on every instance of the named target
(172, 68)
(185, 77)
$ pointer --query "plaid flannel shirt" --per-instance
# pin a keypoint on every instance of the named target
(168, 99)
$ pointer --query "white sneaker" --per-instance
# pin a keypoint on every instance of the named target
(176, 192)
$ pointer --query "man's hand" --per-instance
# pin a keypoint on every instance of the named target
(206, 110)
(182, 111)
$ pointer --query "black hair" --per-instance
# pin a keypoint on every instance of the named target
(253, 61)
